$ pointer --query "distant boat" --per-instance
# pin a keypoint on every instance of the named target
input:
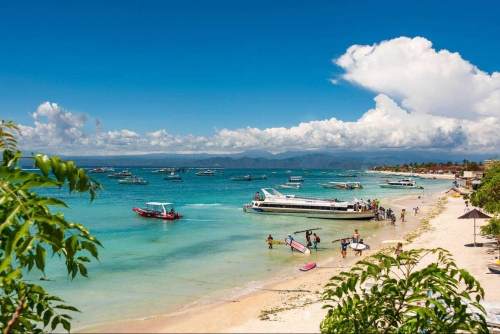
(207, 172)
(133, 181)
(290, 185)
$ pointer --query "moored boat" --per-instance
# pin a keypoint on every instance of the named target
(134, 181)
(273, 202)
(158, 210)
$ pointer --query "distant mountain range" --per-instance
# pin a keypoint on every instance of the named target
(263, 159)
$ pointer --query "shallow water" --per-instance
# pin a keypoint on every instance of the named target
(150, 267)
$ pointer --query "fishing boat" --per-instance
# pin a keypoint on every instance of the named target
(207, 172)
(275, 203)
(341, 185)
(290, 185)
(401, 184)
(158, 210)
(242, 178)
(121, 175)
(494, 268)
(133, 181)
(102, 170)
(295, 179)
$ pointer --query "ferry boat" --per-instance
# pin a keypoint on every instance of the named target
(401, 184)
(295, 179)
(123, 174)
(133, 180)
(275, 203)
(158, 210)
(341, 185)
(207, 172)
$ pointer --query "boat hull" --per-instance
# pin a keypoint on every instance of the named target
(331, 214)
(155, 214)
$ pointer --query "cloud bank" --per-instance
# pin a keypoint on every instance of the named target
(424, 100)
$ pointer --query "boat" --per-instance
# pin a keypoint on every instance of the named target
(123, 174)
(207, 172)
(173, 177)
(290, 185)
(275, 203)
(133, 180)
(341, 185)
(102, 170)
(401, 184)
(295, 179)
(494, 268)
(242, 178)
(158, 210)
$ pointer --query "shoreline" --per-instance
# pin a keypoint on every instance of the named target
(259, 307)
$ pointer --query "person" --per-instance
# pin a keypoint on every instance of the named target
(316, 240)
(308, 238)
(343, 247)
(257, 196)
(291, 240)
(359, 251)
(403, 212)
(399, 249)
(355, 236)
(269, 239)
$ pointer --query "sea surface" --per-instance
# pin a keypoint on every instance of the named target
(215, 253)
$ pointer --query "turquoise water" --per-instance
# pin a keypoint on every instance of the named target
(213, 254)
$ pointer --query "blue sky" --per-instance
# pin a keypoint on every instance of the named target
(189, 67)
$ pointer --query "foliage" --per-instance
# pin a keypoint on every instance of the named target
(434, 299)
(487, 195)
(28, 230)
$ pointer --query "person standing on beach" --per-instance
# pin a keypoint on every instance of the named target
(316, 241)
(355, 236)
(343, 247)
(308, 238)
(291, 240)
(269, 239)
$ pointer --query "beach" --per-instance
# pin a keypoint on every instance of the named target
(278, 307)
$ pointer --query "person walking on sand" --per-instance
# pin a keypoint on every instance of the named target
(308, 238)
(359, 251)
(355, 236)
(399, 249)
(316, 241)
(403, 213)
(343, 247)
(291, 240)
(269, 240)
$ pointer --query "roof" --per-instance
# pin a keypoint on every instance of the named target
(158, 203)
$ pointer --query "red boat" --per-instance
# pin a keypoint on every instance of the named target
(158, 210)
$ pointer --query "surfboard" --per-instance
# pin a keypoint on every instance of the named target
(358, 246)
(275, 242)
(308, 266)
(298, 246)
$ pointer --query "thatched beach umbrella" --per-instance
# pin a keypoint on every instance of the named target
(474, 214)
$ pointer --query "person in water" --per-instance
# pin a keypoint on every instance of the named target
(269, 239)
(308, 238)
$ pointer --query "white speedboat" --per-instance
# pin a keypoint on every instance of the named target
(290, 185)
(123, 174)
(341, 185)
(207, 172)
(133, 180)
(275, 203)
(401, 184)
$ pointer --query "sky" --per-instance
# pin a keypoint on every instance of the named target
(132, 77)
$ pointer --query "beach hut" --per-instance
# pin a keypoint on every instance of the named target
(474, 214)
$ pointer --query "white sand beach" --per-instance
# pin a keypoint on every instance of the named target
(291, 312)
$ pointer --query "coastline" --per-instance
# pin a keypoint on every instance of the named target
(266, 310)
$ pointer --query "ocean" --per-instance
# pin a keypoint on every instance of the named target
(215, 253)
